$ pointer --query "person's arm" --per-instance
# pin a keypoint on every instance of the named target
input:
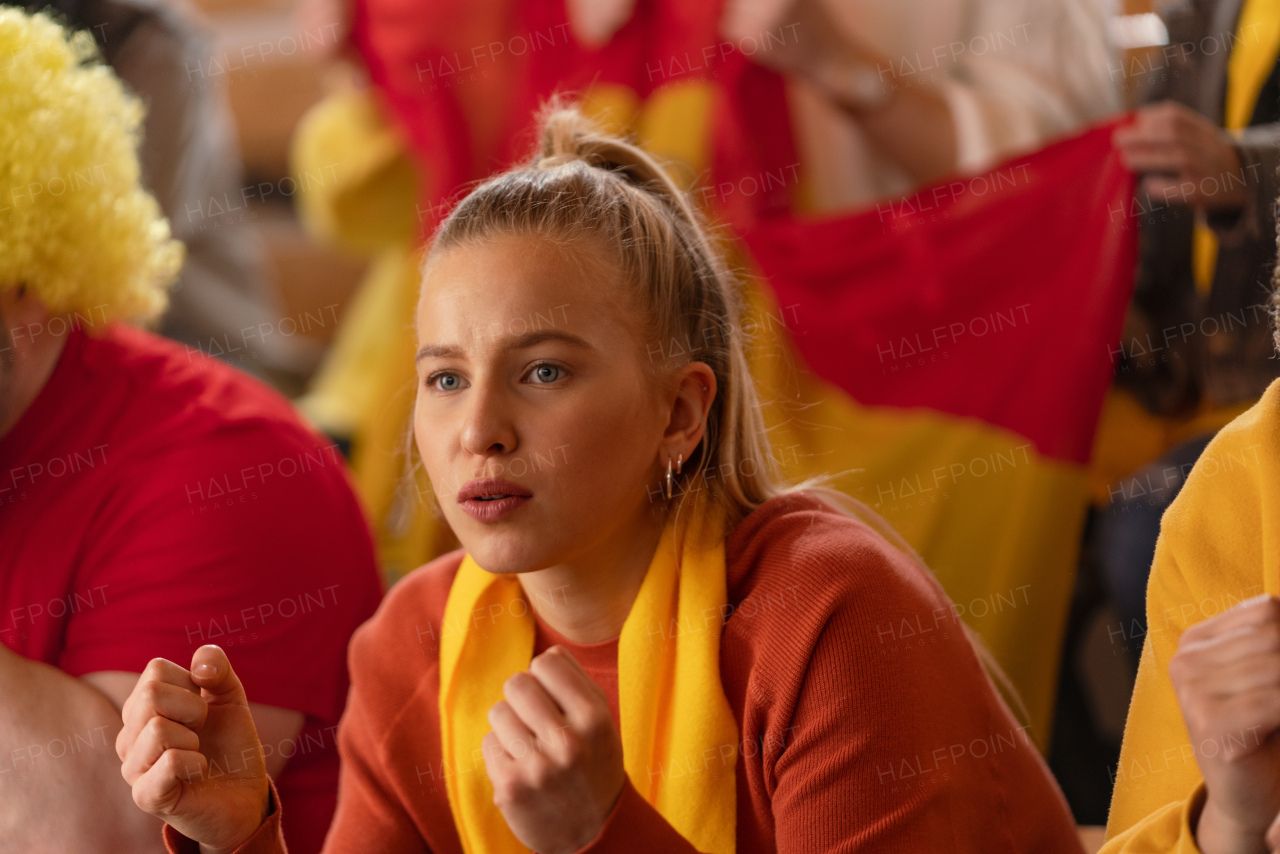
(60, 786)
(1213, 552)
(911, 124)
(1028, 71)
(1145, 805)
(1226, 676)
(914, 125)
(57, 732)
(1020, 74)
(191, 756)
(888, 751)
(635, 826)
(1186, 159)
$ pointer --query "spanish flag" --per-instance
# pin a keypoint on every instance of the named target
(944, 353)
(948, 354)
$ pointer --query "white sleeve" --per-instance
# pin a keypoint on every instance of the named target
(1028, 70)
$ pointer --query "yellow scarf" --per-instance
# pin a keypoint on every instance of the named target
(1253, 56)
(679, 738)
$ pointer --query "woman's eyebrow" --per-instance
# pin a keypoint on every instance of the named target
(517, 342)
(529, 339)
(436, 351)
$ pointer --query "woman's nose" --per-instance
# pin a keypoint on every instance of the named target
(488, 428)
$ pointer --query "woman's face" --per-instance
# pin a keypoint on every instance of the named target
(530, 370)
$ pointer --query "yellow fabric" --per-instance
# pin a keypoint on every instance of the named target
(1219, 545)
(665, 129)
(1129, 437)
(1253, 56)
(394, 487)
(1204, 255)
(1168, 830)
(945, 483)
(347, 384)
(613, 106)
(364, 388)
(366, 206)
(671, 704)
(357, 186)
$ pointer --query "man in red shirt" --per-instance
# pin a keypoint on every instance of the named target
(151, 500)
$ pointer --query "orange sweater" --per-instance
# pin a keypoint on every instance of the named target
(867, 722)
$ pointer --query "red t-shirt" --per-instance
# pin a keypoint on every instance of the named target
(153, 500)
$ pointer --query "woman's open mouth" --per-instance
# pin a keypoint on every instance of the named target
(491, 499)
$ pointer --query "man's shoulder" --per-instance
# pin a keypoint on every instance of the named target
(1218, 541)
(202, 445)
(182, 376)
(1238, 465)
(166, 398)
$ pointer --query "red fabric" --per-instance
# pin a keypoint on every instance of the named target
(153, 499)
(600, 660)
(998, 296)
(464, 78)
(867, 722)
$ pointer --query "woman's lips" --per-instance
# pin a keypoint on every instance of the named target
(493, 509)
(492, 498)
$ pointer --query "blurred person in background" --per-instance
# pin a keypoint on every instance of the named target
(223, 297)
(1199, 769)
(887, 97)
(152, 499)
(1197, 348)
(1181, 532)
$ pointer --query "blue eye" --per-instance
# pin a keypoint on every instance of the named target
(546, 373)
(444, 381)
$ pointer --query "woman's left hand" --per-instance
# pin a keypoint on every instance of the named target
(554, 755)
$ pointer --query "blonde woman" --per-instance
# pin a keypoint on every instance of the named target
(645, 643)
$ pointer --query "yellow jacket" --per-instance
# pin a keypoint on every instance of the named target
(1219, 545)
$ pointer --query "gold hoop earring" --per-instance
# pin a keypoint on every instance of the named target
(668, 476)
(679, 462)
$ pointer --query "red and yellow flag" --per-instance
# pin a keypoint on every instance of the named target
(959, 346)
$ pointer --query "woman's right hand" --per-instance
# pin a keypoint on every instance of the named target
(191, 753)
(1226, 674)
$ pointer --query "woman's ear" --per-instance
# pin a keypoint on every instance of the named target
(695, 389)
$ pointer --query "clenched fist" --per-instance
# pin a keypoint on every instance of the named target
(191, 753)
(554, 755)
(1226, 674)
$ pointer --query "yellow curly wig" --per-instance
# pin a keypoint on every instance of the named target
(76, 226)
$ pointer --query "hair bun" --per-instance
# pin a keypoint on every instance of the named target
(568, 136)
